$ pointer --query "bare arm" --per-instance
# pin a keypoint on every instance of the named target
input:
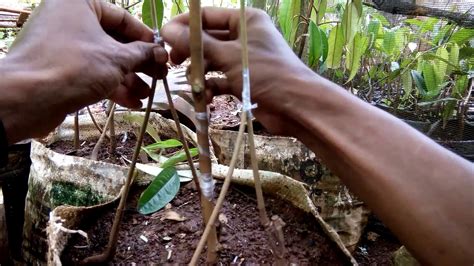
(423, 192)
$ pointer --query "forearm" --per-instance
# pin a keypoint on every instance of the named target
(420, 190)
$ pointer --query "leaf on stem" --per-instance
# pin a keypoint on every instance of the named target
(147, 13)
(160, 192)
(179, 157)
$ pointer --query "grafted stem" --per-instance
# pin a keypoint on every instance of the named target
(202, 124)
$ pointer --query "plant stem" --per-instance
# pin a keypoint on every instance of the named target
(109, 252)
(305, 29)
(181, 134)
(93, 119)
(225, 188)
(77, 145)
(95, 151)
(273, 228)
(113, 141)
(202, 125)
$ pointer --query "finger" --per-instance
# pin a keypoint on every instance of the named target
(219, 86)
(118, 20)
(214, 18)
(124, 97)
(180, 40)
(137, 88)
(132, 56)
(157, 68)
(221, 35)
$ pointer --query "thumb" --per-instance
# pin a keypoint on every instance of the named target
(132, 56)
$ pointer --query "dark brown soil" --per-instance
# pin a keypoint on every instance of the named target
(125, 147)
(242, 238)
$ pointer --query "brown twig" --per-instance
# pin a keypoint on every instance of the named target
(202, 125)
(95, 151)
(93, 120)
(181, 134)
(305, 29)
(110, 250)
(113, 140)
(77, 145)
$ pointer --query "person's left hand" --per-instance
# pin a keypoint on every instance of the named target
(71, 54)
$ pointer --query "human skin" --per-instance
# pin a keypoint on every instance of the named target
(72, 54)
(423, 192)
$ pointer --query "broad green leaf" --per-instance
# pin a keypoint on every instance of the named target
(358, 6)
(153, 155)
(324, 42)
(430, 78)
(154, 170)
(166, 144)
(350, 22)
(160, 192)
(389, 42)
(137, 119)
(453, 58)
(354, 53)
(461, 36)
(439, 38)
(374, 27)
(288, 19)
(461, 86)
(434, 57)
(448, 112)
(177, 8)
(428, 25)
(323, 4)
(315, 44)
(179, 157)
(419, 82)
(381, 18)
(407, 83)
(441, 66)
(336, 43)
(147, 13)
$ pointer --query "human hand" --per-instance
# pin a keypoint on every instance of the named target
(273, 65)
(69, 55)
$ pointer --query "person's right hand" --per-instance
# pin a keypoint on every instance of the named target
(273, 65)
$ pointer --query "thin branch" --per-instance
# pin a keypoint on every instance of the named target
(95, 151)
(93, 119)
(77, 145)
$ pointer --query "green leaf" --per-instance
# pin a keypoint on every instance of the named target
(147, 13)
(381, 18)
(461, 86)
(462, 36)
(374, 27)
(179, 157)
(336, 43)
(441, 66)
(350, 22)
(431, 80)
(358, 5)
(170, 143)
(389, 42)
(419, 82)
(323, 4)
(288, 19)
(177, 8)
(407, 84)
(453, 58)
(324, 42)
(315, 44)
(137, 119)
(354, 53)
(160, 192)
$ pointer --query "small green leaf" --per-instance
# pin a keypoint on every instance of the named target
(177, 8)
(323, 4)
(170, 143)
(389, 42)
(350, 22)
(288, 19)
(441, 66)
(354, 53)
(419, 82)
(315, 44)
(453, 58)
(160, 192)
(179, 157)
(461, 86)
(407, 83)
(336, 43)
(147, 13)
(462, 36)
(374, 27)
(137, 119)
